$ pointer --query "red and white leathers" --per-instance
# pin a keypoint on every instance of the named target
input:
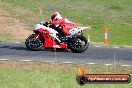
(66, 25)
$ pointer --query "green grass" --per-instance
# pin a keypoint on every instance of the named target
(53, 75)
(5, 37)
(115, 14)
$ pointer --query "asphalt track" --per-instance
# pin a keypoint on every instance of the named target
(94, 55)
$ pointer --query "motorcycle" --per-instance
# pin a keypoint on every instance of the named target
(45, 36)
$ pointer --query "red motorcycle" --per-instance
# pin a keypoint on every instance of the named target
(46, 36)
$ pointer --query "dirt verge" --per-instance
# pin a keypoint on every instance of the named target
(12, 26)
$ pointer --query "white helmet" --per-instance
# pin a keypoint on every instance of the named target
(56, 16)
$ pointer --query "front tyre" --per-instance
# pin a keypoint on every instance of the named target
(33, 43)
(79, 44)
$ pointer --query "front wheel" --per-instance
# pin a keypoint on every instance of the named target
(79, 44)
(33, 43)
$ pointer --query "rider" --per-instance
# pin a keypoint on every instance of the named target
(63, 23)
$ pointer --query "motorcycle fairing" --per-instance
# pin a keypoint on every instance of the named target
(48, 39)
(50, 43)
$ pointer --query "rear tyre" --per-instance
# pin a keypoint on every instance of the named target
(79, 44)
(33, 43)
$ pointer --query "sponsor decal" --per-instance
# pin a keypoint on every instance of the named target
(83, 78)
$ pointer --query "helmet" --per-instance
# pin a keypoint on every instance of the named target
(56, 16)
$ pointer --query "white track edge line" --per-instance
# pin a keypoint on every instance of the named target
(125, 65)
(4, 59)
(107, 64)
(67, 62)
(90, 63)
(26, 60)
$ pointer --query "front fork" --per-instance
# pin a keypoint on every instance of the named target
(36, 36)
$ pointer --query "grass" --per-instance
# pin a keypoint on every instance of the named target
(5, 37)
(115, 14)
(52, 75)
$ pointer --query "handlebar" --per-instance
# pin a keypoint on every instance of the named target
(46, 24)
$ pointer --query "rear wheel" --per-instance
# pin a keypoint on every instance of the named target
(79, 44)
(33, 43)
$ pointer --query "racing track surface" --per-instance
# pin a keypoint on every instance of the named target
(98, 55)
